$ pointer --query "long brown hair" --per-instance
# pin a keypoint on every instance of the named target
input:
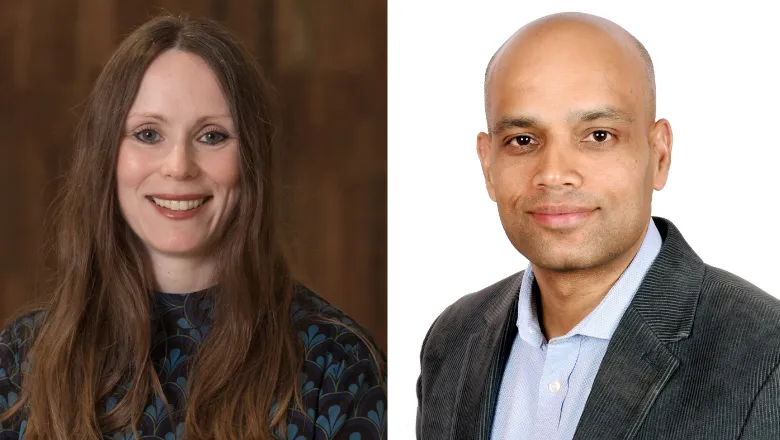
(96, 334)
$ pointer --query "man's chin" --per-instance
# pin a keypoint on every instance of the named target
(573, 258)
(563, 265)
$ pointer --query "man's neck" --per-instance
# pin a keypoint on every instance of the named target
(565, 298)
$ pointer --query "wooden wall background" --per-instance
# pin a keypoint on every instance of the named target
(328, 60)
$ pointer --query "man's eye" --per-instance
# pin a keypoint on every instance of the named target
(600, 136)
(522, 140)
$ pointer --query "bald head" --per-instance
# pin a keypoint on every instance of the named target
(571, 32)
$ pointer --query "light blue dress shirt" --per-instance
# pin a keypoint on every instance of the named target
(546, 384)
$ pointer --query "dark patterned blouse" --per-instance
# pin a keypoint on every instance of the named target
(340, 386)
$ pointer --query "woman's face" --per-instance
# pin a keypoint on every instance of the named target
(178, 162)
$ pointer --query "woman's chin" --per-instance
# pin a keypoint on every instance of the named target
(178, 248)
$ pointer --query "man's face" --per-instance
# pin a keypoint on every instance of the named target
(573, 155)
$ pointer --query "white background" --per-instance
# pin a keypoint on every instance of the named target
(717, 75)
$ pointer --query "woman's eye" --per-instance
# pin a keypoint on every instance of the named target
(148, 136)
(600, 136)
(213, 138)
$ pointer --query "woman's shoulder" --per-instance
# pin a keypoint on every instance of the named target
(309, 306)
(16, 338)
(344, 374)
(319, 322)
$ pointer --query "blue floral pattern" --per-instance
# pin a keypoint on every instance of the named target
(343, 396)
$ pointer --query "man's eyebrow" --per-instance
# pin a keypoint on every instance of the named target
(513, 122)
(608, 113)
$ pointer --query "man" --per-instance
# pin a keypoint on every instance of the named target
(616, 329)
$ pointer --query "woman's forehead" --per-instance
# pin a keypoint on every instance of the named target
(180, 85)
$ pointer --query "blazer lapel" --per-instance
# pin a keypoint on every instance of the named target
(638, 364)
(634, 370)
(483, 365)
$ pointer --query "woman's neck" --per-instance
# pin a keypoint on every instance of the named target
(176, 274)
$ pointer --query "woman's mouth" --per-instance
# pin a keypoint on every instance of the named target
(179, 205)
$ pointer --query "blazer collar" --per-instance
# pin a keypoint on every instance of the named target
(667, 298)
(637, 363)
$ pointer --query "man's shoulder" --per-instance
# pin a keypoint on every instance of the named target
(719, 286)
(735, 306)
(466, 314)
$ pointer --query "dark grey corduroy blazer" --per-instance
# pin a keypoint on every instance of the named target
(695, 356)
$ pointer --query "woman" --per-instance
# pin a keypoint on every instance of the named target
(174, 313)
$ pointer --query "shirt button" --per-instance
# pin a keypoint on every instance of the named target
(555, 386)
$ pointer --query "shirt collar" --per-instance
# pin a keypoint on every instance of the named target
(602, 321)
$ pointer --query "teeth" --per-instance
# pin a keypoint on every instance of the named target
(178, 205)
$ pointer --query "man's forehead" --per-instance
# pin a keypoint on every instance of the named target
(530, 119)
(552, 53)
(556, 97)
